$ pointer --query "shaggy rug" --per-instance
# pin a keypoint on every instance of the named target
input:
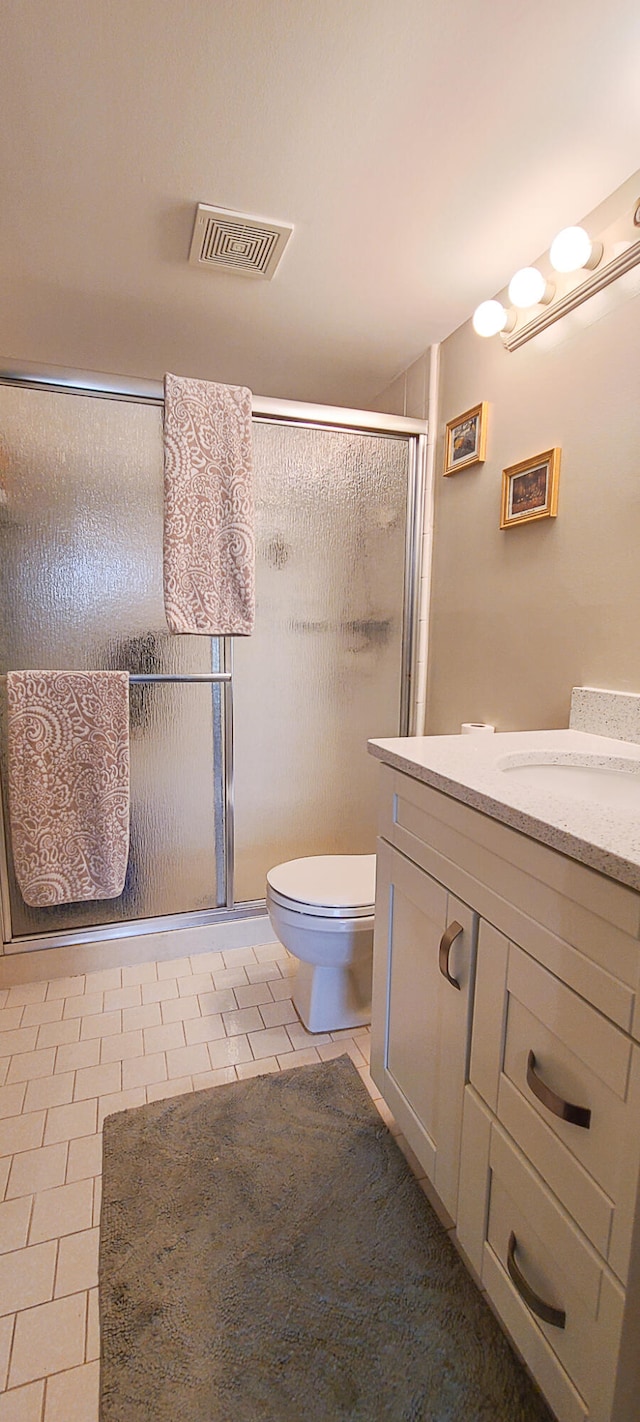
(267, 1256)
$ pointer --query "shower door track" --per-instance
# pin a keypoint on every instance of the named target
(267, 410)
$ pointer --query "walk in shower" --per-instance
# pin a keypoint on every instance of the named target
(245, 751)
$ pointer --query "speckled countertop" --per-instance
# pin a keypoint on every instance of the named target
(468, 769)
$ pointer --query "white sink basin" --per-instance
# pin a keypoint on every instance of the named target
(612, 781)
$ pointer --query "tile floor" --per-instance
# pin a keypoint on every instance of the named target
(71, 1051)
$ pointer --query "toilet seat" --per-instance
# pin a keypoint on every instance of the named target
(325, 885)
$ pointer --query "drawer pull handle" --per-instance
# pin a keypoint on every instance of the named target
(446, 941)
(556, 1316)
(576, 1115)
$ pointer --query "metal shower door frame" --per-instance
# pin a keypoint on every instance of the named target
(268, 411)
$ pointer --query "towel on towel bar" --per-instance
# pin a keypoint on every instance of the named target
(209, 545)
(68, 734)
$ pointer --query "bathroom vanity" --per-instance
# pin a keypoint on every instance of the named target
(506, 1032)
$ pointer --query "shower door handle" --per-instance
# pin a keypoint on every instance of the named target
(448, 937)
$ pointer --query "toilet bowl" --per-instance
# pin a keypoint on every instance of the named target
(321, 909)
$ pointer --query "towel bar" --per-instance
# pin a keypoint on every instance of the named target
(172, 676)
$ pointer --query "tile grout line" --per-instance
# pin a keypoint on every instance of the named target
(13, 1334)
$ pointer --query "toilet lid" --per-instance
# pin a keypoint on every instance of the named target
(343, 882)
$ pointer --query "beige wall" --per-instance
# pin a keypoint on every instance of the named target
(408, 393)
(520, 616)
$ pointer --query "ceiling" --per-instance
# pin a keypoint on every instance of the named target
(423, 149)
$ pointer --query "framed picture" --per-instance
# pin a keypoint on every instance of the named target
(466, 439)
(530, 489)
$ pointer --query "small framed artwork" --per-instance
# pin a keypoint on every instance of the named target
(530, 489)
(466, 439)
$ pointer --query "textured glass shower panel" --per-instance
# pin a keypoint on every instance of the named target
(322, 672)
(81, 587)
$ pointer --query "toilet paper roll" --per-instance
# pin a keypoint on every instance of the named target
(476, 728)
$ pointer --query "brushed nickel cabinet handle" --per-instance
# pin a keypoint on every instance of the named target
(545, 1311)
(447, 939)
(576, 1115)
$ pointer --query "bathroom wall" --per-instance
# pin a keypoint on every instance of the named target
(520, 616)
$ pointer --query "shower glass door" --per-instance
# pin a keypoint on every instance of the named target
(81, 487)
(323, 671)
(81, 588)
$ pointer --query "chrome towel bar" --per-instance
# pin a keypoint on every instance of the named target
(171, 676)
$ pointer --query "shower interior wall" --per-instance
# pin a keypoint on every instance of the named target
(410, 396)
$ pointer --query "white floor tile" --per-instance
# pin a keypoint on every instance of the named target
(122, 1047)
(12, 1098)
(48, 1091)
(34, 1170)
(238, 957)
(29, 1065)
(26, 992)
(72, 1396)
(270, 1042)
(77, 1266)
(65, 1122)
(26, 1278)
(139, 973)
(162, 1089)
(19, 1133)
(72, 1052)
(6, 1335)
(22, 1404)
(14, 1224)
(84, 1158)
(48, 1339)
(63, 1210)
(21, 1039)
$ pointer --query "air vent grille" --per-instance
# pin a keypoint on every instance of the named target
(249, 246)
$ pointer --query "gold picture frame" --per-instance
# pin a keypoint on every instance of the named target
(530, 489)
(466, 439)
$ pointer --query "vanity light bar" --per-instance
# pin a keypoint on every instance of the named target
(592, 284)
(552, 298)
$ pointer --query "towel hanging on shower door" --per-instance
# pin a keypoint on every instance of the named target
(209, 542)
(68, 734)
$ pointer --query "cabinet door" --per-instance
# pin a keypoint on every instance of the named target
(420, 1025)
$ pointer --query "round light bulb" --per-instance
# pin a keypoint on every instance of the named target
(489, 318)
(570, 250)
(527, 287)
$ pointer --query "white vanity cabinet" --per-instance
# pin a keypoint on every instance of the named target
(520, 1091)
(424, 952)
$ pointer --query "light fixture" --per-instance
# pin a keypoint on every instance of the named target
(490, 317)
(529, 288)
(573, 249)
(535, 301)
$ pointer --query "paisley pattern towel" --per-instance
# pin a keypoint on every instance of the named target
(68, 735)
(209, 546)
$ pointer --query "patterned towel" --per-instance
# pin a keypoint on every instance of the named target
(68, 737)
(209, 550)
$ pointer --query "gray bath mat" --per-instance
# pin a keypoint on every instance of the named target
(267, 1256)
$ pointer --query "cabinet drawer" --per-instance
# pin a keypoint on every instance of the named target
(541, 1077)
(535, 1255)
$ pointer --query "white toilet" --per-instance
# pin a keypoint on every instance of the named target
(321, 909)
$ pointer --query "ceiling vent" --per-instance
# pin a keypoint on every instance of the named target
(233, 242)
